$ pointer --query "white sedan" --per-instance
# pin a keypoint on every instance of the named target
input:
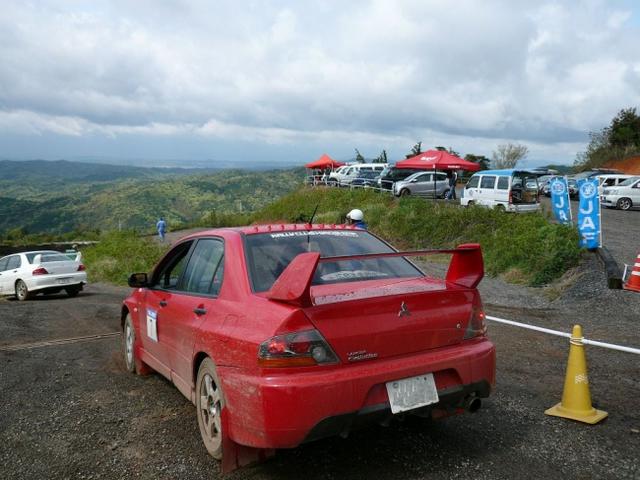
(46, 271)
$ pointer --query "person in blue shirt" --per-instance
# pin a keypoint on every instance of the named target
(356, 218)
(161, 226)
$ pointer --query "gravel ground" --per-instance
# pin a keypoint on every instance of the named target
(71, 411)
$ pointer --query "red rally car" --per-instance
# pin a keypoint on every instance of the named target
(283, 334)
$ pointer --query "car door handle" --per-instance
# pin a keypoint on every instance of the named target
(200, 311)
(163, 303)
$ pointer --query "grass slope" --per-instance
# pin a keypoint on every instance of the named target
(526, 248)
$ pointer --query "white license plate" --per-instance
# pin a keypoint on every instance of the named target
(63, 281)
(410, 393)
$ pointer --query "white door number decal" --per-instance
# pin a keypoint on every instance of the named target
(152, 327)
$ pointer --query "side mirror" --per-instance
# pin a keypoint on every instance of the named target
(138, 280)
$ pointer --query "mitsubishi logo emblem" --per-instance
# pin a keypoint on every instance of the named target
(404, 311)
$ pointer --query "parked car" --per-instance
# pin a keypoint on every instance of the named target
(346, 174)
(624, 196)
(45, 271)
(572, 185)
(367, 178)
(422, 184)
(393, 174)
(283, 334)
(543, 181)
(509, 190)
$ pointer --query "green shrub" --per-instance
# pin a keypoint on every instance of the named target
(119, 254)
(526, 244)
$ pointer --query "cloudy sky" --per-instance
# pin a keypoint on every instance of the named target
(284, 81)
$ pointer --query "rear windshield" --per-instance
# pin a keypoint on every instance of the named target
(268, 254)
(54, 257)
(31, 256)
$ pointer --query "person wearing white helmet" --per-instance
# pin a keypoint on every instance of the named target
(356, 218)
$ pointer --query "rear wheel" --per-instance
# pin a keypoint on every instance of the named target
(72, 291)
(22, 292)
(470, 203)
(209, 405)
(128, 342)
(624, 204)
(500, 207)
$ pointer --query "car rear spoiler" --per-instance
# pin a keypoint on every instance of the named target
(293, 286)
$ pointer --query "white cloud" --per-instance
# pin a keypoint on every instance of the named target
(477, 74)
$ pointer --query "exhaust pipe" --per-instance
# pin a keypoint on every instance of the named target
(472, 404)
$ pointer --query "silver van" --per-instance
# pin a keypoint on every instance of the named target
(623, 196)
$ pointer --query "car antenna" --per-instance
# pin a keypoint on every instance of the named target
(311, 223)
(313, 214)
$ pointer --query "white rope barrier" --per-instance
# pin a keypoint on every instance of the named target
(557, 333)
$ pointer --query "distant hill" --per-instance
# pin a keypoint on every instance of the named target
(61, 196)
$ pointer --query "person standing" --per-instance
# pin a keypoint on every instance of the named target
(453, 181)
(161, 226)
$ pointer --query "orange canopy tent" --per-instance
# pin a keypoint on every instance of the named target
(325, 161)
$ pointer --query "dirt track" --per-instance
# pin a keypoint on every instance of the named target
(70, 411)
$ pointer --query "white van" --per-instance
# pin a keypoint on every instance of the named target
(346, 174)
(508, 190)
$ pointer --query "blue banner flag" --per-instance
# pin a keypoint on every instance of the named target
(589, 213)
(560, 199)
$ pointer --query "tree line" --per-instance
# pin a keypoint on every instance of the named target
(505, 155)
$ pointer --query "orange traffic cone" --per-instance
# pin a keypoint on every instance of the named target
(576, 398)
(633, 282)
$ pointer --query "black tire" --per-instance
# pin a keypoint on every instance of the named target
(624, 203)
(128, 345)
(405, 192)
(22, 292)
(209, 405)
(444, 194)
(72, 291)
(470, 203)
(499, 207)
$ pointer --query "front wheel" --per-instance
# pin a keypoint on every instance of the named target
(209, 405)
(22, 292)
(624, 204)
(470, 203)
(405, 192)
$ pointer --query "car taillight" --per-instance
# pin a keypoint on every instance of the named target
(477, 326)
(297, 349)
(40, 271)
(81, 268)
(510, 197)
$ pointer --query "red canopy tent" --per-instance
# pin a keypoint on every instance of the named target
(325, 161)
(438, 160)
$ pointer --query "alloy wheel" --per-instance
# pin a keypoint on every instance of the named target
(210, 410)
